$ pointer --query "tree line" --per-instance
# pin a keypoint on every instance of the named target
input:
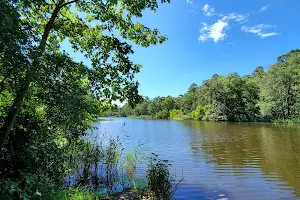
(264, 95)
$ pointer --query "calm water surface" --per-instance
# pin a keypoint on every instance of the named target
(220, 160)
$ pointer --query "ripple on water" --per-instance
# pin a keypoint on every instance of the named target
(222, 160)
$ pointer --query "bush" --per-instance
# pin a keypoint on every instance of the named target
(163, 114)
(201, 112)
(176, 114)
(29, 186)
(159, 178)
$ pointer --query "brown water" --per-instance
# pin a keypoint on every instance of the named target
(221, 160)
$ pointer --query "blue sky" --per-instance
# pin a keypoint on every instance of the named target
(206, 37)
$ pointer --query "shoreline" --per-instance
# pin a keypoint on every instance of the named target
(274, 122)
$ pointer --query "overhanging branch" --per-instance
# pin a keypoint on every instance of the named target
(68, 3)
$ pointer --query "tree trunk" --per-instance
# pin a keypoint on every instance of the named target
(18, 101)
(12, 114)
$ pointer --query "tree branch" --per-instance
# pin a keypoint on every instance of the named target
(68, 3)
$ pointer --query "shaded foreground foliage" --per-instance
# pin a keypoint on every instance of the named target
(268, 95)
(48, 100)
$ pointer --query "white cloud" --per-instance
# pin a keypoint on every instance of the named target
(215, 32)
(189, 1)
(230, 43)
(264, 35)
(259, 30)
(263, 8)
(208, 10)
(235, 16)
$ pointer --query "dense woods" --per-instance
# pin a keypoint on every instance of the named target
(264, 95)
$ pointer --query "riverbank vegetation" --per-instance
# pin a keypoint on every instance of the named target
(48, 100)
(265, 95)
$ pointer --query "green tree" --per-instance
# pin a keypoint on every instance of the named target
(176, 114)
(264, 95)
(46, 24)
(141, 109)
(155, 106)
(163, 114)
(201, 112)
(280, 88)
(193, 87)
(168, 103)
(189, 99)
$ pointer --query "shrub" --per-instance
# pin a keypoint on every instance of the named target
(201, 112)
(163, 114)
(176, 114)
(160, 181)
(29, 186)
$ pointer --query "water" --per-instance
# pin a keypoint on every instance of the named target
(220, 160)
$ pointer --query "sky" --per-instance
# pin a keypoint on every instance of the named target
(207, 37)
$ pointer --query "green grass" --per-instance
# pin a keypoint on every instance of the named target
(83, 194)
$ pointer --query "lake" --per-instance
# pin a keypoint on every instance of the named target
(219, 160)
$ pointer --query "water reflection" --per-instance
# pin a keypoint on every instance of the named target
(240, 149)
(220, 160)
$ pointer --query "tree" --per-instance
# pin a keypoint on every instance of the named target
(155, 106)
(265, 95)
(176, 114)
(163, 114)
(141, 108)
(168, 103)
(188, 100)
(201, 112)
(40, 26)
(280, 87)
(193, 87)
(258, 70)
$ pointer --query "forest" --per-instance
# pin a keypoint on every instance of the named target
(266, 95)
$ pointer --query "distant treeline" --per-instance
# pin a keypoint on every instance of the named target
(261, 96)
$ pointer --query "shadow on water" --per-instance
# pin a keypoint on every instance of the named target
(239, 149)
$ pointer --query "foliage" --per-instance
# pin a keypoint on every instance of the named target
(48, 100)
(201, 112)
(31, 57)
(176, 114)
(262, 96)
(83, 194)
(133, 158)
(159, 178)
(140, 186)
(29, 186)
(163, 114)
